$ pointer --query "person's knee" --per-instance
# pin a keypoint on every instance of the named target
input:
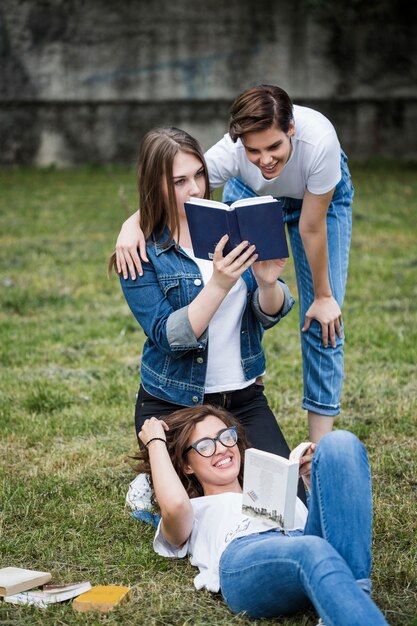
(340, 443)
(313, 339)
(317, 553)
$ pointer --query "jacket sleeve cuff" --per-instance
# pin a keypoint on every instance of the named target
(180, 334)
(270, 320)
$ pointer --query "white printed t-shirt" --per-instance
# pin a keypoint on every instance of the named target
(217, 521)
(314, 163)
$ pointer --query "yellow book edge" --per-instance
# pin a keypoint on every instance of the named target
(100, 598)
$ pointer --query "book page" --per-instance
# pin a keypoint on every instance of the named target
(215, 204)
(300, 450)
(254, 200)
(44, 597)
(265, 486)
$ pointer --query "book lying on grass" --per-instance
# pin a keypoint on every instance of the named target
(15, 579)
(257, 220)
(270, 486)
(101, 598)
(49, 594)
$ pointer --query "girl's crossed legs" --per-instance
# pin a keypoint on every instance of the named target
(271, 574)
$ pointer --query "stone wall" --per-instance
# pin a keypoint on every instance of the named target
(82, 80)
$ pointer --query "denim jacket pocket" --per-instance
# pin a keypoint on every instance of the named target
(170, 287)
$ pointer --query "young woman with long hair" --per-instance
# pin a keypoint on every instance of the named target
(195, 457)
(204, 320)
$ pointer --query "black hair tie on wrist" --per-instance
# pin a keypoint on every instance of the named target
(155, 439)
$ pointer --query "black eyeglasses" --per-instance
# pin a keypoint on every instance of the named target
(207, 445)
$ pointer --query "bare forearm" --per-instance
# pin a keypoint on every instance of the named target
(313, 232)
(271, 298)
(168, 487)
(226, 271)
(204, 306)
(130, 239)
(173, 501)
(315, 246)
(132, 220)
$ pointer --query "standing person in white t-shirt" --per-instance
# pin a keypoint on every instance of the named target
(292, 153)
(204, 320)
(195, 459)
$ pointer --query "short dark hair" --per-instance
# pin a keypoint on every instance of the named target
(260, 108)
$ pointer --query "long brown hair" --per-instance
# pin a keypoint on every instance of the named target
(181, 424)
(157, 152)
(260, 108)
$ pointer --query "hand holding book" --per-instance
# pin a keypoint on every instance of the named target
(258, 220)
(305, 464)
(271, 296)
(270, 484)
(229, 268)
(268, 272)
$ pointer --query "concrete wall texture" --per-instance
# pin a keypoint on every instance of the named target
(81, 81)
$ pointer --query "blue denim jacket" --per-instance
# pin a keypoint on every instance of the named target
(174, 360)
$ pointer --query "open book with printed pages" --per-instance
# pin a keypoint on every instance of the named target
(270, 486)
(257, 220)
(49, 594)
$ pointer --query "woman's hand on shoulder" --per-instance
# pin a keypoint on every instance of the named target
(129, 240)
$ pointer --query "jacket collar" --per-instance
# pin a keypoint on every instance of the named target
(157, 244)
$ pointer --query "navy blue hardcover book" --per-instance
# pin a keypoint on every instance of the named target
(257, 220)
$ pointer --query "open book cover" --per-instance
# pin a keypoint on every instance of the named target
(15, 579)
(270, 486)
(258, 220)
(50, 594)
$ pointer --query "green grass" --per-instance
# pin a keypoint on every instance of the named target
(69, 355)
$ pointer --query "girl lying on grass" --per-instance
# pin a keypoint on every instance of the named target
(195, 459)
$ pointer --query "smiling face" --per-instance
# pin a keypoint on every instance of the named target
(269, 149)
(217, 473)
(188, 179)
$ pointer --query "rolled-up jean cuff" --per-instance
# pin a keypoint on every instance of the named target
(322, 409)
(365, 584)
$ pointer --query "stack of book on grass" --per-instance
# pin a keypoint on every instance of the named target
(17, 586)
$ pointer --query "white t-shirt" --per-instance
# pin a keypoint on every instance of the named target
(314, 163)
(224, 364)
(217, 521)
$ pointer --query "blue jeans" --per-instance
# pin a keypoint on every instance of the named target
(323, 370)
(328, 564)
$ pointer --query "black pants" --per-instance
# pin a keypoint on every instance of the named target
(249, 406)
